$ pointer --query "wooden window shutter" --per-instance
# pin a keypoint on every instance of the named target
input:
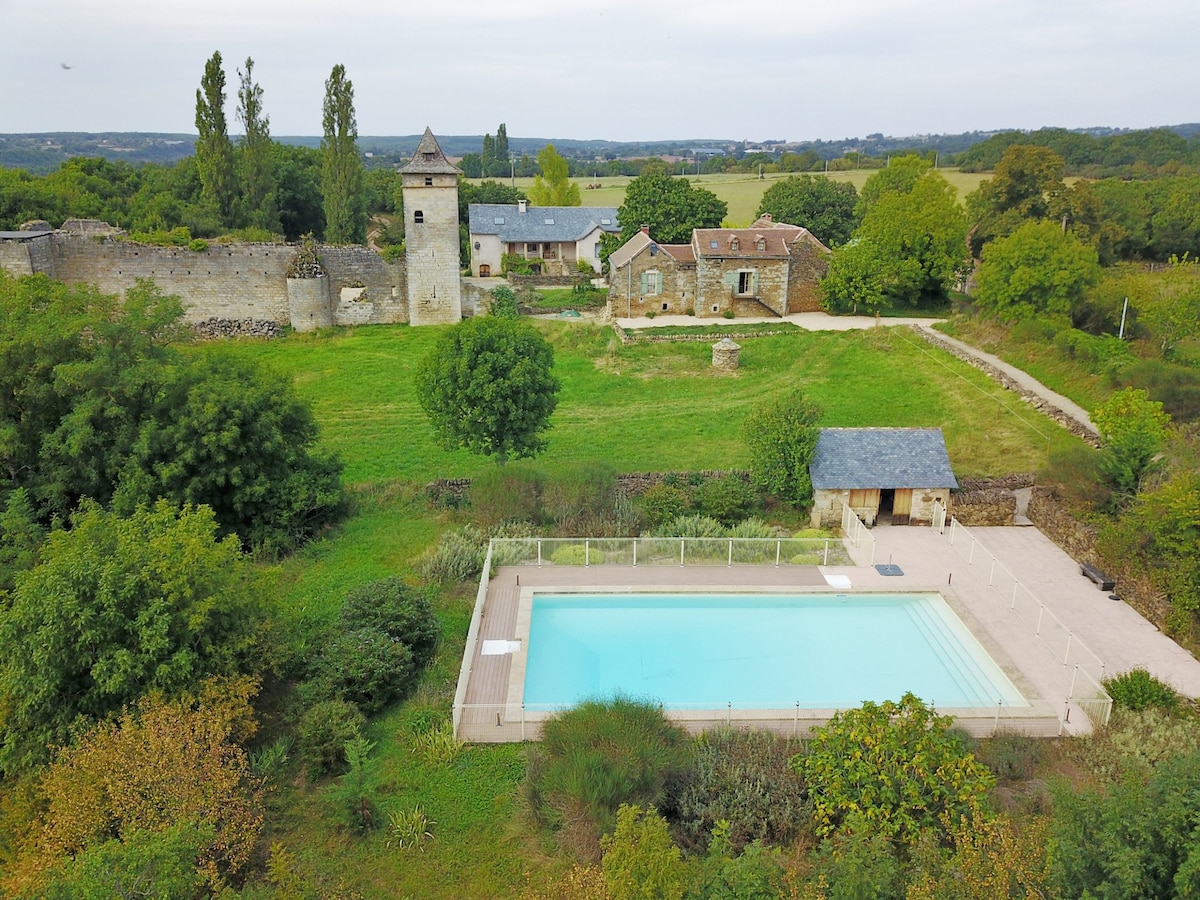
(730, 278)
(756, 281)
(643, 279)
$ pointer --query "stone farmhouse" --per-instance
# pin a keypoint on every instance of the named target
(558, 237)
(770, 268)
(896, 475)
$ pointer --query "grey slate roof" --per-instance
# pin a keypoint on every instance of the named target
(866, 458)
(429, 158)
(571, 223)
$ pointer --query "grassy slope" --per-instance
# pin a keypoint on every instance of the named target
(643, 407)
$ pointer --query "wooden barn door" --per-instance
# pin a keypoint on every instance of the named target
(866, 504)
(902, 506)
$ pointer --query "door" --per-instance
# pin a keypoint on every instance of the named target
(865, 504)
(902, 506)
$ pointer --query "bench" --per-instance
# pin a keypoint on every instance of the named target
(1104, 582)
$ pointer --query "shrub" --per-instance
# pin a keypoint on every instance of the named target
(399, 611)
(663, 502)
(897, 765)
(510, 493)
(727, 499)
(575, 495)
(438, 745)
(198, 245)
(691, 526)
(741, 778)
(1010, 756)
(1175, 386)
(504, 302)
(458, 556)
(365, 666)
(1137, 689)
(599, 755)
(409, 828)
(323, 732)
(753, 527)
(1035, 331)
(577, 555)
(640, 860)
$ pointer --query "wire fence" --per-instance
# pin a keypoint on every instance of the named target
(1085, 667)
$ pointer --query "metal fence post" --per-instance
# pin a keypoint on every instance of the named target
(730, 565)
(681, 553)
(587, 553)
(539, 553)
(778, 549)
(635, 553)
(826, 560)
(1067, 655)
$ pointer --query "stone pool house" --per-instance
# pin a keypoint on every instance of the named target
(894, 476)
(770, 268)
(558, 237)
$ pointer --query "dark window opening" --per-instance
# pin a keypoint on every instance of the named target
(418, 217)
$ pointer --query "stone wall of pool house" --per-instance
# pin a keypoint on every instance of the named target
(828, 503)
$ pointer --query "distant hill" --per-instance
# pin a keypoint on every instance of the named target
(45, 152)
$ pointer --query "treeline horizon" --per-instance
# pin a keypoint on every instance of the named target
(1091, 152)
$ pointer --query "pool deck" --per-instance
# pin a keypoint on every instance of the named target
(1113, 632)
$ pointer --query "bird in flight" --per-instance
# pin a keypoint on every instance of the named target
(65, 66)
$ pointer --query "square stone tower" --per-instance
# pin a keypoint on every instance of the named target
(430, 189)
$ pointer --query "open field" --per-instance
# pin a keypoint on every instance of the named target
(742, 191)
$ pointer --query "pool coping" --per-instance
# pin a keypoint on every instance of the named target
(498, 713)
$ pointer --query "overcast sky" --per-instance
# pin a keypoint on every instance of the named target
(615, 69)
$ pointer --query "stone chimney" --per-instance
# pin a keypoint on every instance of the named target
(521, 206)
(646, 230)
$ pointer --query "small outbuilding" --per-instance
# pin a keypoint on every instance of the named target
(894, 476)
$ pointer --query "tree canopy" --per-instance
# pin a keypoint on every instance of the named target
(1132, 431)
(214, 151)
(908, 251)
(489, 387)
(826, 208)
(782, 436)
(1038, 270)
(670, 206)
(117, 607)
(552, 186)
(101, 407)
(342, 170)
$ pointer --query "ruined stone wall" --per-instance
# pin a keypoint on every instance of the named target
(14, 258)
(226, 281)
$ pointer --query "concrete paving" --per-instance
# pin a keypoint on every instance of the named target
(1113, 632)
(814, 321)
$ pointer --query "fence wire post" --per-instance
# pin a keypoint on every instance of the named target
(635, 553)
(796, 720)
(1016, 584)
(996, 724)
(1067, 655)
(730, 564)
(522, 721)
(1041, 609)
(539, 553)
(681, 553)
(971, 554)
(587, 553)
(992, 573)
(1074, 675)
(728, 712)
(826, 560)
(778, 549)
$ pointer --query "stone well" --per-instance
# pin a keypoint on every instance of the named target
(725, 355)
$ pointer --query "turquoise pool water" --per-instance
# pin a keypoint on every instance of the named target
(703, 651)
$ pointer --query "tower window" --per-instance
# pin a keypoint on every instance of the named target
(428, 181)
(418, 217)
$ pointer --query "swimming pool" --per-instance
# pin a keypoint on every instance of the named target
(767, 651)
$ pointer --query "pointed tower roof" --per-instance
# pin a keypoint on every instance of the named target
(429, 159)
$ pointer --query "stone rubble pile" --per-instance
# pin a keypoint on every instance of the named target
(221, 329)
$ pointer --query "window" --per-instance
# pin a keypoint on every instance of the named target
(499, 220)
(762, 244)
(428, 181)
(733, 243)
(596, 250)
(606, 221)
(713, 245)
(651, 283)
(549, 221)
(747, 281)
(418, 217)
(531, 248)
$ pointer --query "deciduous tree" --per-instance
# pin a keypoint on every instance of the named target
(552, 186)
(781, 435)
(342, 170)
(1037, 270)
(214, 151)
(670, 206)
(1172, 312)
(258, 182)
(1132, 431)
(824, 207)
(908, 251)
(489, 387)
(117, 607)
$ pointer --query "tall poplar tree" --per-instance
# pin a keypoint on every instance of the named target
(214, 152)
(262, 206)
(342, 174)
